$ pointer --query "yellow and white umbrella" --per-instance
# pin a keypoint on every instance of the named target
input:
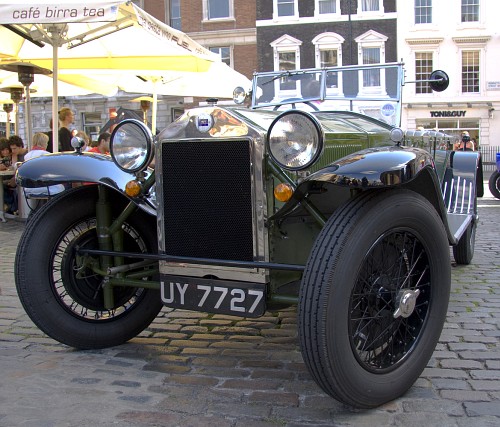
(73, 36)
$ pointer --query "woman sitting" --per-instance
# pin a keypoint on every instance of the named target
(38, 149)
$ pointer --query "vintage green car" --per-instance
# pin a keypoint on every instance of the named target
(311, 195)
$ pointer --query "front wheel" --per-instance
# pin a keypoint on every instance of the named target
(494, 184)
(61, 293)
(374, 296)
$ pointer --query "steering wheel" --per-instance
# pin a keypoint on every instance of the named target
(299, 101)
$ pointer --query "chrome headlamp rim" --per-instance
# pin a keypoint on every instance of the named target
(239, 95)
(148, 139)
(319, 133)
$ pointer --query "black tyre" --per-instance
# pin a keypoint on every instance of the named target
(374, 297)
(64, 299)
(494, 184)
(463, 252)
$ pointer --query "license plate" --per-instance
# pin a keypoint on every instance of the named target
(213, 296)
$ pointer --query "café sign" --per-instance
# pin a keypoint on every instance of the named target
(56, 11)
(449, 113)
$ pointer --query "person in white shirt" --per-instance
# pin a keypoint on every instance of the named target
(38, 149)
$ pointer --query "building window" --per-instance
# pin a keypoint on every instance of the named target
(328, 58)
(328, 53)
(92, 125)
(470, 10)
(217, 9)
(470, 71)
(224, 52)
(371, 50)
(176, 113)
(175, 14)
(326, 6)
(285, 9)
(423, 69)
(370, 5)
(286, 57)
(423, 11)
(371, 78)
(287, 61)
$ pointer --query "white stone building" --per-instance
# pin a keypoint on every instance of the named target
(462, 38)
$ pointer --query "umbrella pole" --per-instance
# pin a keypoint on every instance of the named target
(153, 112)
(55, 100)
(27, 105)
(16, 119)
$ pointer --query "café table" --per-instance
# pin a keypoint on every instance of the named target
(7, 173)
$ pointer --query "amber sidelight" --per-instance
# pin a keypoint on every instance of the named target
(133, 188)
(283, 192)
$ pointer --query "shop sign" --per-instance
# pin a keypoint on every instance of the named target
(492, 85)
(456, 113)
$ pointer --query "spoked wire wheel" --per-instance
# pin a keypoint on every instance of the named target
(389, 302)
(60, 290)
(80, 290)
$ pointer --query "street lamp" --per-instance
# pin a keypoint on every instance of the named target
(16, 94)
(145, 102)
(26, 73)
(7, 107)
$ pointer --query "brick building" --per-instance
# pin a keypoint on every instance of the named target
(228, 28)
(315, 33)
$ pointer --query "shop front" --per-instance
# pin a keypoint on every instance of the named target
(480, 119)
(477, 119)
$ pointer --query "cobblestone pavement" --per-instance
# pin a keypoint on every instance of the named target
(194, 369)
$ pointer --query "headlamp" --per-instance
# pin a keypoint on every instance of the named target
(131, 145)
(295, 140)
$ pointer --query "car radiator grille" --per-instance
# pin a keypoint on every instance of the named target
(207, 203)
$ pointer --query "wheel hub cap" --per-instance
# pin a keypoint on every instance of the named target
(406, 303)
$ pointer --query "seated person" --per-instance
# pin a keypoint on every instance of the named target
(9, 196)
(102, 146)
(5, 154)
(39, 148)
(17, 155)
(17, 149)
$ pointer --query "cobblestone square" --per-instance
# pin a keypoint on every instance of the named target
(196, 369)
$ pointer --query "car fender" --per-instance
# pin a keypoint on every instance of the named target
(373, 168)
(61, 168)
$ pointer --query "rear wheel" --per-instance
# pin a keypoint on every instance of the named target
(494, 184)
(463, 252)
(374, 297)
(64, 296)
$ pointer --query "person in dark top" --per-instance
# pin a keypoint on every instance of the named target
(17, 148)
(66, 118)
(49, 134)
